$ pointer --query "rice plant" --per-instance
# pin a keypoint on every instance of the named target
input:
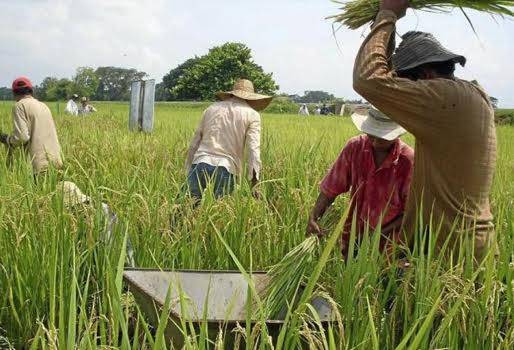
(60, 284)
(357, 13)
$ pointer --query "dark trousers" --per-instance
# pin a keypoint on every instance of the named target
(202, 174)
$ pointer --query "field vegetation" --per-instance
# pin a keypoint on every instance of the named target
(60, 284)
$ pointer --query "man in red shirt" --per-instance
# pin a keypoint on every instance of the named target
(376, 167)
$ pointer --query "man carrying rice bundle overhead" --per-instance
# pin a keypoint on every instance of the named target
(452, 121)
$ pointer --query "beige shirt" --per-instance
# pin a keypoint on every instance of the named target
(226, 128)
(453, 122)
(34, 128)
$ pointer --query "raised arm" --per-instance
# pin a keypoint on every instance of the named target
(403, 100)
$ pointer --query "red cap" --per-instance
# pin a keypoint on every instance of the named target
(20, 83)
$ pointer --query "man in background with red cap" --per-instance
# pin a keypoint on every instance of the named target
(34, 128)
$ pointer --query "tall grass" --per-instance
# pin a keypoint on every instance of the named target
(60, 284)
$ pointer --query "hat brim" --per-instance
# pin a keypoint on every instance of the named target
(435, 59)
(256, 101)
(384, 130)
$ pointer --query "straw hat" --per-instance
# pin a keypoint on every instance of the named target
(375, 123)
(418, 48)
(244, 90)
(72, 195)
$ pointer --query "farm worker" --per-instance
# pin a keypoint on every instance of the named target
(74, 200)
(34, 128)
(303, 110)
(71, 106)
(317, 111)
(217, 149)
(85, 107)
(376, 167)
(452, 121)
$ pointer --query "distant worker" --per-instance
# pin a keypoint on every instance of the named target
(317, 111)
(303, 110)
(376, 168)
(325, 110)
(452, 121)
(217, 150)
(71, 106)
(85, 108)
(34, 128)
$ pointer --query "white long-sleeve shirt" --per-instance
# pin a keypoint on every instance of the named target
(71, 108)
(226, 129)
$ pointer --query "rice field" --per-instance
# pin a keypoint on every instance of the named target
(60, 284)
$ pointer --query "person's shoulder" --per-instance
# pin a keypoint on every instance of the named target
(406, 152)
(357, 141)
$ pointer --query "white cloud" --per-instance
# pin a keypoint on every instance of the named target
(290, 38)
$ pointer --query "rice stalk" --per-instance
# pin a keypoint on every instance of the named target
(357, 13)
(287, 274)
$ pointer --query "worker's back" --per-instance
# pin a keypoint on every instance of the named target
(41, 135)
(455, 161)
(225, 126)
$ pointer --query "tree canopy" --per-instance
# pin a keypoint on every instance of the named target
(199, 78)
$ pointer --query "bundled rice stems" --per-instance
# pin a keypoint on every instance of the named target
(286, 276)
(357, 13)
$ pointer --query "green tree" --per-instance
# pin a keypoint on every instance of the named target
(199, 78)
(85, 82)
(52, 89)
(114, 83)
(5, 94)
(315, 96)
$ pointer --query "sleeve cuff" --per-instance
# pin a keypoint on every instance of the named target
(385, 16)
(327, 192)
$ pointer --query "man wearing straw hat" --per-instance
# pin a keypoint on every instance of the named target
(217, 149)
(453, 122)
(376, 168)
(34, 128)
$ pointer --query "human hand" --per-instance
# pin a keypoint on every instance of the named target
(313, 228)
(399, 7)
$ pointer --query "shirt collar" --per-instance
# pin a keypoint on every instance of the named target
(392, 157)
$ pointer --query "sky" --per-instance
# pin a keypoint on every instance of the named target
(290, 38)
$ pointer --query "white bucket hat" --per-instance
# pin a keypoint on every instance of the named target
(373, 122)
(72, 195)
(244, 89)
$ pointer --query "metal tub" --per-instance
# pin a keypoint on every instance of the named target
(216, 297)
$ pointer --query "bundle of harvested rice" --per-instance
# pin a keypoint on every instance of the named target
(286, 276)
(357, 13)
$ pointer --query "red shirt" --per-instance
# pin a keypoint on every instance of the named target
(375, 192)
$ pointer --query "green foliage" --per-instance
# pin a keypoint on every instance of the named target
(114, 83)
(505, 117)
(5, 94)
(199, 78)
(56, 89)
(282, 105)
(85, 82)
(60, 282)
(315, 96)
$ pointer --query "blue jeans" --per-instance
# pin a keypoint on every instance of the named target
(202, 174)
